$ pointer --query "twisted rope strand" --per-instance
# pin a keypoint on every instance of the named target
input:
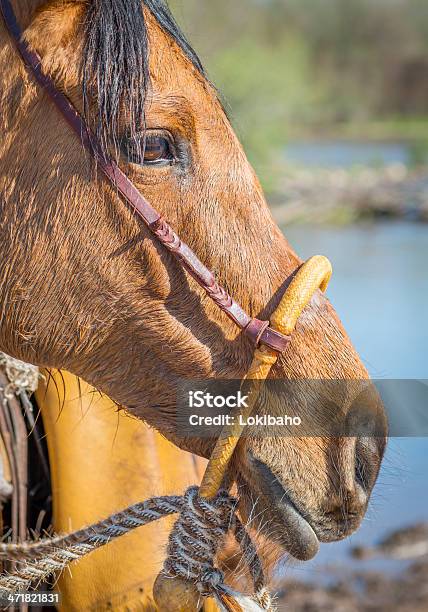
(99, 533)
(38, 560)
(193, 544)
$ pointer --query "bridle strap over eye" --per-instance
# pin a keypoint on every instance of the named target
(259, 332)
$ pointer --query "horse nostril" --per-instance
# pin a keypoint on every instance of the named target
(355, 477)
(361, 472)
(365, 433)
(366, 462)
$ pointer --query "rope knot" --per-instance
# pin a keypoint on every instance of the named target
(197, 536)
(210, 580)
(192, 549)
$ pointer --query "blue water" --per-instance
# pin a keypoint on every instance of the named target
(380, 290)
(346, 154)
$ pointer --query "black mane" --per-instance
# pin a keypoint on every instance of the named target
(115, 69)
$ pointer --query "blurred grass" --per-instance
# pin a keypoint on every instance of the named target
(296, 69)
(390, 128)
(284, 93)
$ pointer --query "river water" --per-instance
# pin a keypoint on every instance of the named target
(380, 290)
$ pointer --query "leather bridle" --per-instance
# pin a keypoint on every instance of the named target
(270, 339)
(259, 332)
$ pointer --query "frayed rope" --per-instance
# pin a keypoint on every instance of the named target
(23, 377)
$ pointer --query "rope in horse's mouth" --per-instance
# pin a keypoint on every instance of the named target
(206, 513)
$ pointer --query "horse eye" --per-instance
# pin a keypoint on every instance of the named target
(155, 151)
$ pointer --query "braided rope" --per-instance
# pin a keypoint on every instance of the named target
(314, 274)
(193, 544)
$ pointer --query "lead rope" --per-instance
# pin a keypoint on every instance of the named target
(206, 513)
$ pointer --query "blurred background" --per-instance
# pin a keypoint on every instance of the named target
(325, 85)
(330, 99)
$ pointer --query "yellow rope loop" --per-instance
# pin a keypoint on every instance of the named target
(312, 275)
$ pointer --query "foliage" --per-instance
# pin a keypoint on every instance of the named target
(293, 67)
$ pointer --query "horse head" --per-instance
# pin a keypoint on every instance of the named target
(86, 288)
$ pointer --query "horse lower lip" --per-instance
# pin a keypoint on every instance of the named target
(298, 536)
(303, 543)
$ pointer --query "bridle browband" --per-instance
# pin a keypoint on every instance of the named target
(258, 331)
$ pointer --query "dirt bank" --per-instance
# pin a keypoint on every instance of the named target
(361, 592)
(340, 195)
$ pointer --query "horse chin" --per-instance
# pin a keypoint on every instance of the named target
(265, 505)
